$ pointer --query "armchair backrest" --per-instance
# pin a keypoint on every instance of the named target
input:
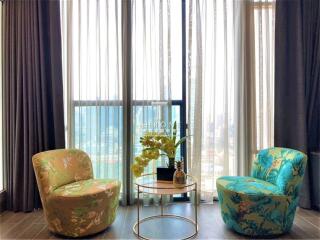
(282, 167)
(56, 168)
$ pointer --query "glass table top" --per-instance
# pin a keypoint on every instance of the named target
(148, 183)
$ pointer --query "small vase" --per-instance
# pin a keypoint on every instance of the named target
(179, 176)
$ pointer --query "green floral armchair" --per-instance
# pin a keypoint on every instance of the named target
(265, 203)
(73, 202)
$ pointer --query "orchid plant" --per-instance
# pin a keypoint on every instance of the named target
(156, 144)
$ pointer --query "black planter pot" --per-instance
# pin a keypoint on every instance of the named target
(165, 174)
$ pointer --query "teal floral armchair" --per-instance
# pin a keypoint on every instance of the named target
(265, 203)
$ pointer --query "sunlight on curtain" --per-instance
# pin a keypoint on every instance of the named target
(264, 19)
(219, 38)
(211, 92)
(92, 60)
(156, 41)
(229, 58)
(157, 69)
(91, 34)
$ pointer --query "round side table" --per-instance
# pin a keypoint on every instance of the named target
(148, 184)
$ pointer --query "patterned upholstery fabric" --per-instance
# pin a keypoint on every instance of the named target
(248, 185)
(265, 203)
(74, 203)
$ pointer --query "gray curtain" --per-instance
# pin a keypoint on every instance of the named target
(33, 95)
(297, 82)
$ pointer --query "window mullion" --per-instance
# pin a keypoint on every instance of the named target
(127, 99)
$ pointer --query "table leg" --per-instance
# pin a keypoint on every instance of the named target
(196, 206)
(161, 204)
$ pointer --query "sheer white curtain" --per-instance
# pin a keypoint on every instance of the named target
(97, 90)
(264, 28)
(229, 81)
(92, 64)
(151, 73)
(156, 70)
(225, 114)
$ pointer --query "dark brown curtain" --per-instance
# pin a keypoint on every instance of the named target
(33, 93)
(297, 84)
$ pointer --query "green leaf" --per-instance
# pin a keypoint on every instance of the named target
(181, 141)
(174, 131)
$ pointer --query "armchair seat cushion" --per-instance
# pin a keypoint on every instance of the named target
(83, 207)
(248, 185)
(86, 187)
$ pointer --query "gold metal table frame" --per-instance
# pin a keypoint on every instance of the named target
(165, 188)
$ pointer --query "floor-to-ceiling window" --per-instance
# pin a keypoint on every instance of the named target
(92, 58)
(158, 89)
(95, 85)
(179, 50)
(230, 86)
(157, 84)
